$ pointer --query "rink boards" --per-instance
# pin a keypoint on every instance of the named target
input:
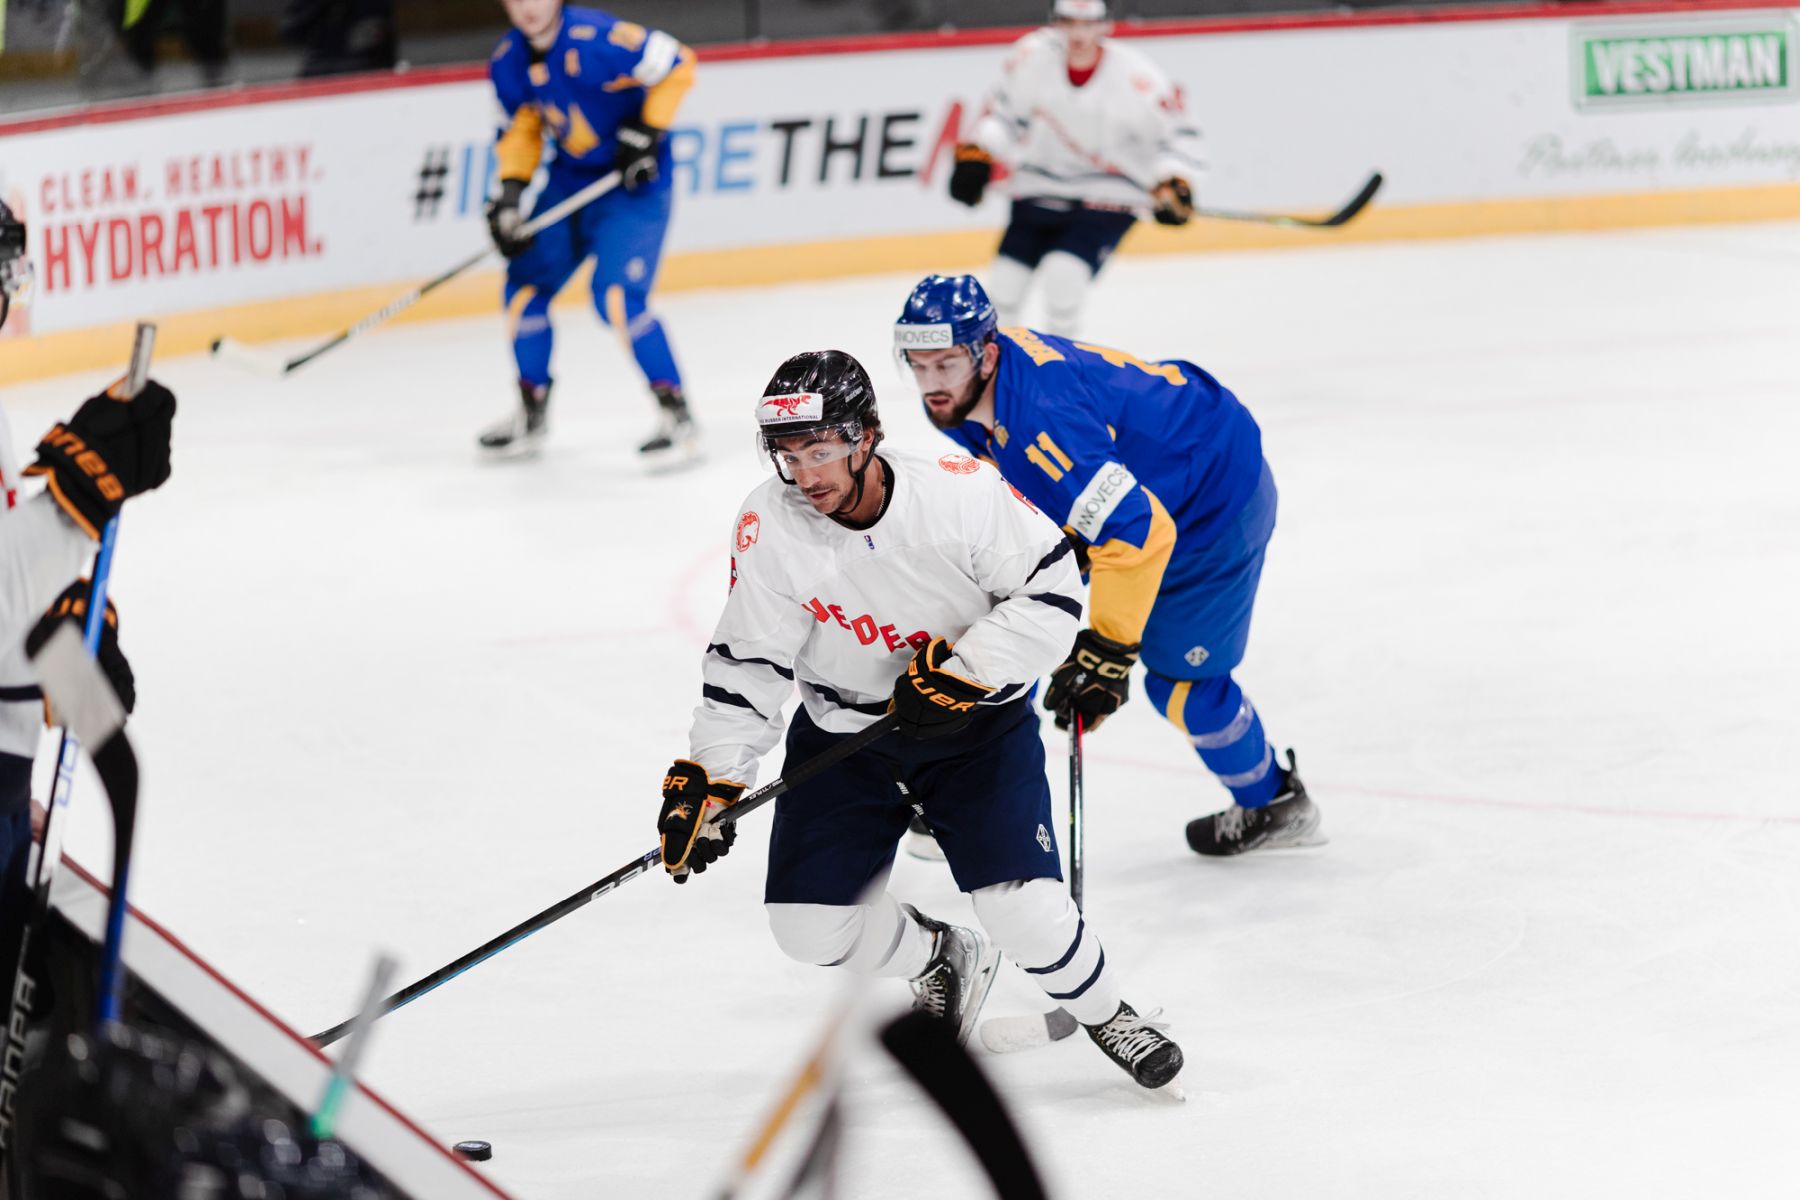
(279, 1056)
(292, 211)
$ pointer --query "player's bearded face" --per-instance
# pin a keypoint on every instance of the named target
(949, 383)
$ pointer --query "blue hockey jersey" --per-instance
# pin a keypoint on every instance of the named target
(1143, 460)
(600, 72)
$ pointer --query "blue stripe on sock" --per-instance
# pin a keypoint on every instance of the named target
(1078, 992)
(1059, 964)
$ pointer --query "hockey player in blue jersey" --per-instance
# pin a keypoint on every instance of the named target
(604, 91)
(1157, 472)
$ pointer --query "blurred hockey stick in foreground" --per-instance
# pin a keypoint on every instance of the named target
(118, 772)
(928, 1051)
(267, 363)
(631, 870)
(1342, 216)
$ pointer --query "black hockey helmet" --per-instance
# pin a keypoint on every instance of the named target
(15, 271)
(823, 392)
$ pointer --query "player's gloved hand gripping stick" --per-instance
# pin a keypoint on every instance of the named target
(268, 364)
(631, 870)
(98, 710)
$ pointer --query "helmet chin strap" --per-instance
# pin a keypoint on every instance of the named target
(861, 476)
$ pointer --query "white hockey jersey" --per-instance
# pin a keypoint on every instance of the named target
(958, 554)
(41, 551)
(1107, 142)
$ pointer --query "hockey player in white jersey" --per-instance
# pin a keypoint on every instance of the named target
(107, 452)
(927, 587)
(1094, 135)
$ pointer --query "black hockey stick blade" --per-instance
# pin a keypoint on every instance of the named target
(631, 870)
(927, 1050)
(1341, 217)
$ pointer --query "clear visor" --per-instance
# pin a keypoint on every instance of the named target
(939, 370)
(811, 450)
(15, 277)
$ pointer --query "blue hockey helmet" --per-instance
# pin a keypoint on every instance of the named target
(944, 311)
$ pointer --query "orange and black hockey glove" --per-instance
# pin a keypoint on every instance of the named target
(1094, 680)
(692, 838)
(1173, 201)
(931, 701)
(969, 178)
(110, 450)
(72, 606)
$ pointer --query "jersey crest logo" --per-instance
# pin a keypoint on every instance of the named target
(1196, 656)
(749, 528)
(959, 464)
(1043, 838)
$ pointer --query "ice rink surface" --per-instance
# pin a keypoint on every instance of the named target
(1528, 619)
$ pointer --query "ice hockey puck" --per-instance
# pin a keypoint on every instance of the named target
(474, 1151)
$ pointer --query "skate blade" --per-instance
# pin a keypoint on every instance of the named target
(1171, 1092)
(1009, 1035)
(924, 848)
(676, 458)
(989, 966)
(515, 450)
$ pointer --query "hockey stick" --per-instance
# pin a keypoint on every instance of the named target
(1076, 793)
(22, 994)
(266, 363)
(324, 1118)
(928, 1051)
(631, 870)
(1342, 216)
(78, 690)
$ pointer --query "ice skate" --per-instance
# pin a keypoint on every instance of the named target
(954, 985)
(921, 843)
(1290, 820)
(676, 441)
(523, 432)
(1139, 1045)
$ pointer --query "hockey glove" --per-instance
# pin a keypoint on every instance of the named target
(692, 838)
(969, 178)
(1173, 201)
(1094, 681)
(931, 701)
(110, 450)
(72, 606)
(635, 158)
(505, 221)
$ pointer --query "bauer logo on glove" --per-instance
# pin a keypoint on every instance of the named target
(692, 836)
(932, 700)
